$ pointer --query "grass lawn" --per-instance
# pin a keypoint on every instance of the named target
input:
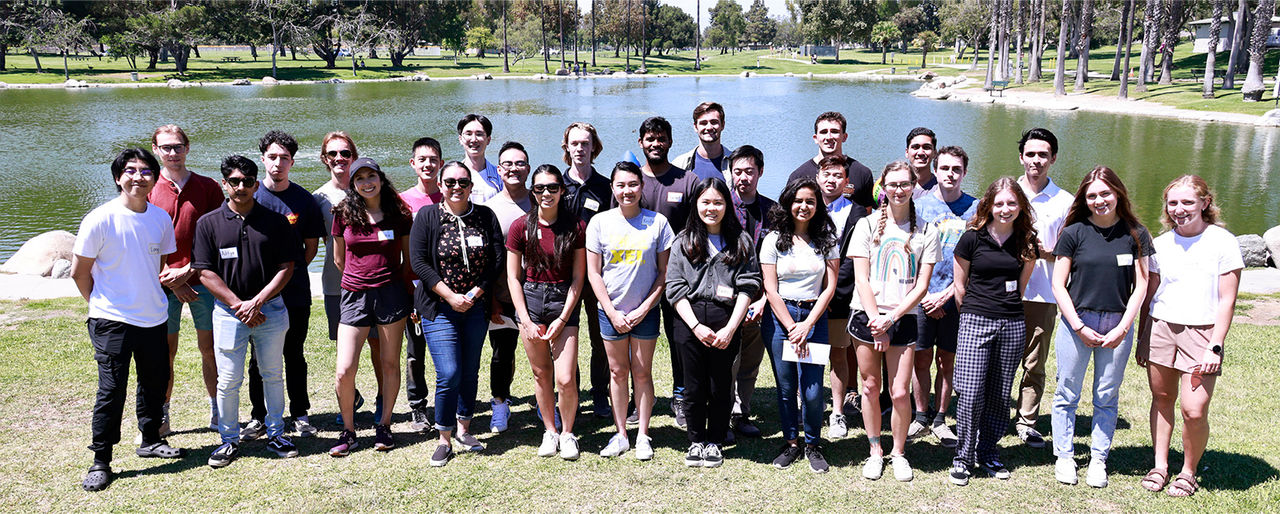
(49, 378)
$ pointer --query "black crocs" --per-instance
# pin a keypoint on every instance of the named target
(160, 450)
(98, 478)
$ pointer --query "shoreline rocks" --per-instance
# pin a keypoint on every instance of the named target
(42, 254)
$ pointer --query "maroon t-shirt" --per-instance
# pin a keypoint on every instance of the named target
(546, 241)
(373, 256)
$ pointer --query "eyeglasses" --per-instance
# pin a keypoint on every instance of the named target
(172, 148)
(335, 153)
(514, 164)
(460, 183)
(899, 185)
(143, 172)
(545, 188)
(247, 182)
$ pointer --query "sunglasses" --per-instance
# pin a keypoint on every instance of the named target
(144, 172)
(546, 188)
(237, 182)
(514, 164)
(460, 183)
(335, 153)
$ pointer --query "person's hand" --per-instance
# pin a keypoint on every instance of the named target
(459, 303)
(552, 331)
(1142, 353)
(248, 309)
(755, 312)
(1113, 338)
(724, 336)
(185, 293)
(635, 317)
(531, 331)
(1089, 337)
(173, 277)
(937, 313)
(496, 317)
(1210, 363)
(880, 343)
(621, 322)
(799, 332)
(933, 302)
(802, 348)
(705, 335)
(880, 325)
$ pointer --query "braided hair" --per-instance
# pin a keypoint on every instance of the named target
(884, 204)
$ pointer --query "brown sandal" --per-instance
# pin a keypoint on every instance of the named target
(1183, 486)
(1157, 478)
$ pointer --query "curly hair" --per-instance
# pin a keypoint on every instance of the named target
(1024, 234)
(821, 231)
(353, 210)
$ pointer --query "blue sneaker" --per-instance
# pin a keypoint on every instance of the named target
(354, 408)
(377, 410)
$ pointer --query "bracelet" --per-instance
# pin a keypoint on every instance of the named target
(695, 327)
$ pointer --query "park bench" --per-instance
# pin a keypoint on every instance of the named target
(78, 57)
(998, 85)
(1198, 74)
(230, 59)
(913, 69)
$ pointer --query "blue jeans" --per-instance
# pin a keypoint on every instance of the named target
(230, 344)
(455, 340)
(1108, 372)
(790, 375)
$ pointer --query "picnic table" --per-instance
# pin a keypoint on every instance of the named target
(230, 59)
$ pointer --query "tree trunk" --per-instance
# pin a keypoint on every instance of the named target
(560, 17)
(697, 37)
(196, 49)
(66, 72)
(1086, 34)
(275, 48)
(1120, 42)
(884, 50)
(1131, 7)
(991, 46)
(293, 53)
(1211, 58)
(253, 51)
(1022, 30)
(644, 38)
(593, 33)
(629, 44)
(506, 67)
(353, 61)
(1172, 14)
(152, 57)
(1060, 69)
(1253, 88)
(4, 51)
(1237, 44)
(1147, 59)
(1037, 51)
(35, 55)
(546, 66)
(1003, 38)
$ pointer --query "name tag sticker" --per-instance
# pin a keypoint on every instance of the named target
(229, 253)
(1124, 259)
(724, 292)
(1010, 286)
(386, 235)
(674, 196)
(153, 248)
(591, 204)
(474, 241)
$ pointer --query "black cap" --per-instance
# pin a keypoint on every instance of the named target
(364, 162)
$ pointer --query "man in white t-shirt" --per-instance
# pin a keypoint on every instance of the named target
(116, 266)
(1037, 150)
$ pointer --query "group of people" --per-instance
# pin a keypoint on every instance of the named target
(888, 276)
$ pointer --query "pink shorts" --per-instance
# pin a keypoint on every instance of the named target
(1179, 346)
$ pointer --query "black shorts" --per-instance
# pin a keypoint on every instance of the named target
(839, 308)
(901, 333)
(545, 302)
(939, 332)
(382, 305)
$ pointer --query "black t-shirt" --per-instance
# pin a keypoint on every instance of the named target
(992, 286)
(670, 195)
(587, 199)
(299, 207)
(859, 177)
(245, 252)
(846, 281)
(1102, 263)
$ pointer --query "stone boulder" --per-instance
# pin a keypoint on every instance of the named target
(620, 74)
(1269, 119)
(1272, 239)
(563, 72)
(75, 83)
(61, 269)
(420, 77)
(38, 254)
(745, 74)
(240, 82)
(927, 76)
(269, 81)
(175, 83)
(483, 76)
(788, 74)
(642, 71)
(1253, 249)
(3, 85)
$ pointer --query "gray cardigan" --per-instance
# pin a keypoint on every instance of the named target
(684, 280)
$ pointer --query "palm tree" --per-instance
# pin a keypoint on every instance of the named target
(1210, 60)
(1086, 34)
(927, 41)
(1060, 71)
(1131, 7)
(1253, 89)
(885, 33)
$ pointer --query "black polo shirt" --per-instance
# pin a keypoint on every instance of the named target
(586, 199)
(245, 252)
(300, 208)
(992, 287)
(859, 177)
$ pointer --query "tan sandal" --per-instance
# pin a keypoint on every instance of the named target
(1183, 486)
(1155, 480)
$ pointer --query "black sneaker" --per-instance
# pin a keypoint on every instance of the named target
(224, 455)
(817, 463)
(711, 456)
(742, 425)
(346, 443)
(283, 447)
(677, 406)
(693, 458)
(601, 410)
(995, 469)
(420, 422)
(441, 456)
(729, 438)
(959, 474)
(382, 440)
(788, 455)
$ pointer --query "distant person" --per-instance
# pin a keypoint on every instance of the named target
(1100, 282)
(426, 162)
(118, 257)
(246, 253)
(1037, 151)
(186, 196)
(300, 208)
(829, 134)
(1191, 291)
(708, 158)
(474, 134)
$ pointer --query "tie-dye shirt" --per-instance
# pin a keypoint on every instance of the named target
(894, 266)
(950, 225)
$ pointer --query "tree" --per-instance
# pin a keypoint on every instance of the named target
(60, 30)
(1121, 42)
(1086, 32)
(1173, 21)
(884, 33)
(479, 38)
(837, 21)
(1039, 13)
(1210, 59)
(14, 20)
(1060, 71)
(1131, 6)
(910, 22)
(728, 23)
(927, 41)
(789, 34)
(1146, 61)
(1237, 44)
(361, 29)
(965, 21)
(1253, 89)
(760, 28)
(671, 28)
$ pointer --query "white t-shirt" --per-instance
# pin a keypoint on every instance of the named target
(328, 196)
(800, 270)
(838, 211)
(629, 250)
(127, 248)
(1050, 206)
(1189, 268)
(894, 267)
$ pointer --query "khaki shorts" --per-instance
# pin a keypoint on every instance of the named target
(1179, 346)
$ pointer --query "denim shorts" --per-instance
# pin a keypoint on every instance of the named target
(201, 309)
(901, 332)
(647, 328)
(382, 305)
(545, 302)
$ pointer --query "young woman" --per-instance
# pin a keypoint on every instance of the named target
(798, 263)
(627, 250)
(546, 263)
(1192, 286)
(1099, 281)
(711, 279)
(899, 251)
(993, 261)
(456, 250)
(370, 241)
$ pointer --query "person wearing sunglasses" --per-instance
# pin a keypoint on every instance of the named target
(546, 265)
(117, 261)
(246, 253)
(456, 249)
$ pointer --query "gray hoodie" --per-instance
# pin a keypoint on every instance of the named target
(714, 280)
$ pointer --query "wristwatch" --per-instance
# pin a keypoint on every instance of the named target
(1216, 349)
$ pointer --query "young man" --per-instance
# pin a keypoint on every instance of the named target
(829, 134)
(667, 190)
(587, 193)
(948, 208)
(746, 165)
(426, 163)
(511, 202)
(1037, 150)
(833, 183)
(298, 206)
(922, 146)
(186, 196)
(474, 134)
(116, 265)
(246, 254)
(707, 159)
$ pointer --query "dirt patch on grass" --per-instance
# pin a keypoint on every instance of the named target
(13, 314)
(1258, 311)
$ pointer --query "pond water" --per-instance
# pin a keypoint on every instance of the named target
(59, 143)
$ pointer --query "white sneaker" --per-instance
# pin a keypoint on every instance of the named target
(1097, 474)
(873, 467)
(568, 446)
(550, 444)
(1065, 471)
(304, 427)
(618, 445)
(916, 430)
(644, 447)
(501, 414)
(901, 468)
(838, 428)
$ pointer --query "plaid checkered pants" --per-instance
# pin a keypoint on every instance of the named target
(988, 353)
